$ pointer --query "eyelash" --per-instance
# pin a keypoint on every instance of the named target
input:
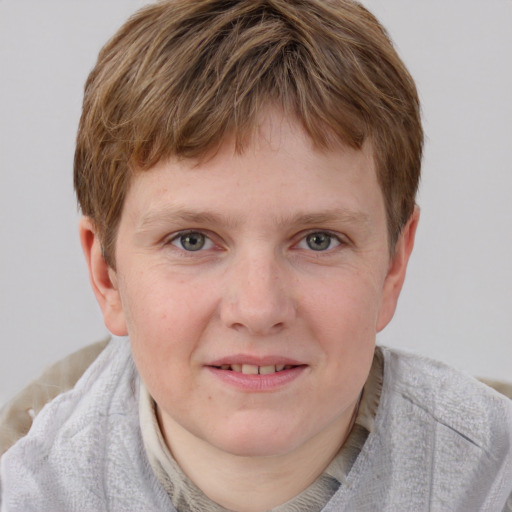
(177, 241)
(180, 236)
(331, 238)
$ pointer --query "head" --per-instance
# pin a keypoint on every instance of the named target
(247, 171)
(180, 76)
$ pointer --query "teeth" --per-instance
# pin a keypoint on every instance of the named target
(250, 369)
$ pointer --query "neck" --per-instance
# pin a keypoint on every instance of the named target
(254, 483)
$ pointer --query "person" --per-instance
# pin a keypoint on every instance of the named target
(247, 172)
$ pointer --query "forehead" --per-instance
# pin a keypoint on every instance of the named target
(279, 171)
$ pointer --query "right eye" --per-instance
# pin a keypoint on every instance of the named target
(192, 241)
(319, 241)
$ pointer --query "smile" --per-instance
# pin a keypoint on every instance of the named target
(244, 374)
(252, 369)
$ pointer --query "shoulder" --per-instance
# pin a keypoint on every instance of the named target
(448, 396)
(86, 441)
(90, 397)
(17, 415)
(446, 426)
(440, 438)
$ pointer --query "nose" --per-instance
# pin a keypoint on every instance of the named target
(259, 296)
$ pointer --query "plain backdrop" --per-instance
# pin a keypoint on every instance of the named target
(457, 301)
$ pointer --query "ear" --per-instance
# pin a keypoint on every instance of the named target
(397, 269)
(103, 279)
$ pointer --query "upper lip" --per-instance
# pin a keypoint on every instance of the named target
(270, 360)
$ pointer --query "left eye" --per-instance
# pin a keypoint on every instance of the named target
(192, 241)
(319, 241)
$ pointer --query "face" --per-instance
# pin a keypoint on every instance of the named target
(252, 286)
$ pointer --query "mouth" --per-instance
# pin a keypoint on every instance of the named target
(252, 369)
(257, 378)
(256, 374)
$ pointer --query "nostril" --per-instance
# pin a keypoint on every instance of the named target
(257, 329)
(255, 315)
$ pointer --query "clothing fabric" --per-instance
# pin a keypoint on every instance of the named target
(440, 442)
(17, 415)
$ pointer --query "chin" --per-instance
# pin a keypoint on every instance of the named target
(260, 440)
(258, 448)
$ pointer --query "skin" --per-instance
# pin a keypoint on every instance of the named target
(295, 264)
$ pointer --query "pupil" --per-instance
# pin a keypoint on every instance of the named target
(318, 241)
(192, 241)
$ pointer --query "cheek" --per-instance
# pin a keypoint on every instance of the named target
(347, 308)
(152, 300)
(165, 329)
(165, 317)
(348, 333)
(344, 319)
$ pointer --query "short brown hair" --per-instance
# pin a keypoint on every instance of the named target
(182, 74)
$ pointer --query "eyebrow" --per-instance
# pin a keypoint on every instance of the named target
(179, 214)
(328, 216)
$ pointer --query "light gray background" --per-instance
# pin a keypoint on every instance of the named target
(456, 305)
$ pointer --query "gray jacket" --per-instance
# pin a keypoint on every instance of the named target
(442, 442)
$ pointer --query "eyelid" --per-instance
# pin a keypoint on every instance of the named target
(337, 237)
(209, 243)
(341, 240)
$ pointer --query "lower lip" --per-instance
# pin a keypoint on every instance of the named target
(258, 383)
